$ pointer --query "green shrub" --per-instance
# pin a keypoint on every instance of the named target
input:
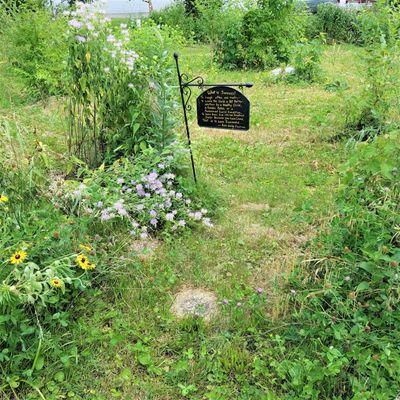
(15, 6)
(175, 16)
(201, 23)
(376, 108)
(230, 50)
(361, 27)
(264, 38)
(306, 62)
(35, 46)
(337, 23)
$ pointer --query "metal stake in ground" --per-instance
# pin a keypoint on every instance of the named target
(184, 106)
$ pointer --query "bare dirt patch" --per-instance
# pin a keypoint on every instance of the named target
(195, 302)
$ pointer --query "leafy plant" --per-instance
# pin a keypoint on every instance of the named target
(120, 99)
(337, 23)
(264, 38)
(199, 21)
(36, 50)
(306, 62)
(346, 303)
(377, 108)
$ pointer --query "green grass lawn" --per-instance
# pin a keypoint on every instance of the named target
(276, 185)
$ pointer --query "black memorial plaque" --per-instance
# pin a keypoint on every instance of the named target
(223, 107)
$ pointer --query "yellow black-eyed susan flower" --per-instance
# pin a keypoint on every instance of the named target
(3, 198)
(85, 247)
(18, 257)
(90, 265)
(82, 260)
(56, 283)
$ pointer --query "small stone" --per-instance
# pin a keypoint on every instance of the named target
(194, 302)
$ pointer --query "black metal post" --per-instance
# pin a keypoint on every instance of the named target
(176, 56)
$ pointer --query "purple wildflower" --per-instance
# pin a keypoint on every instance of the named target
(207, 222)
(169, 217)
(75, 24)
(198, 215)
(105, 215)
(110, 38)
(152, 177)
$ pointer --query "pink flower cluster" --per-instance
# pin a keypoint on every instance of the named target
(147, 205)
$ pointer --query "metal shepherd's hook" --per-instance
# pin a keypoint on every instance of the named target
(181, 88)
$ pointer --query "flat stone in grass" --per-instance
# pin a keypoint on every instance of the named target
(195, 302)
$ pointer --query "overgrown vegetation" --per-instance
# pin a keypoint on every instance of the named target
(36, 51)
(263, 38)
(121, 100)
(346, 300)
(85, 309)
(361, 27)
(376, 110)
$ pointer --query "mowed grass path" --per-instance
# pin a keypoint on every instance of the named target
(276, 184)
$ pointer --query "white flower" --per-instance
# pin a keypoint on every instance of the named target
(198, 215)
(75, 24)
(111, 38)
(207, 222)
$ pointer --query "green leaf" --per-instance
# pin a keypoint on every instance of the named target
(59, 376)
(39, 363)
(363, 286)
